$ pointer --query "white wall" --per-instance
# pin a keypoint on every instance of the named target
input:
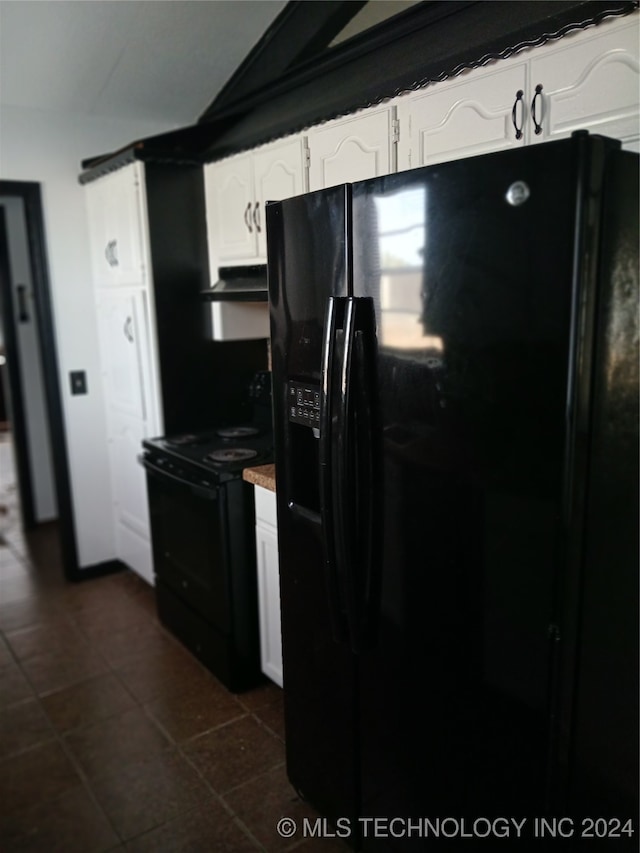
(48, 148)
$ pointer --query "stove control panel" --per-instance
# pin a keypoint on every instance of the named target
(303, 404)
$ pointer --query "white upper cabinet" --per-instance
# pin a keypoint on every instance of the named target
(130, 504)
(230, 201)
(352, 149)
(236, 190)
(478, 112)
(589, 80)
(117, 215)
(279, 172)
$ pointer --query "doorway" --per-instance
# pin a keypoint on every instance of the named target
(36, 418)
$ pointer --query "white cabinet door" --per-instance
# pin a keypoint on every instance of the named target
(236, 190)
(117, 224)
(131, 409)
(125, 351)
(269, 598)
(590, 80)
(279, 173)
(230, 206)
(352, 149)
(587, 80)
(268, 584)
(470, 115)
(131, 509)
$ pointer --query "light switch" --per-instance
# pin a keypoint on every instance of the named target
(78, 379)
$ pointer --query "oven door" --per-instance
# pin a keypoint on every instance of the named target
(189, 532)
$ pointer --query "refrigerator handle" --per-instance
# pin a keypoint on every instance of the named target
(358, 519)
(335, 593)
(344, 476)
(367, 465)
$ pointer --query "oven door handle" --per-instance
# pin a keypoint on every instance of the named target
(208, 493)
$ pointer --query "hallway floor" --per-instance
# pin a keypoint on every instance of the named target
(112, 736)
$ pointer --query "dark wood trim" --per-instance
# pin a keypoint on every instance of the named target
(433, 43)
(99, 570)
(424, 44)
(32, 198)
(16, 408)
(300, 31)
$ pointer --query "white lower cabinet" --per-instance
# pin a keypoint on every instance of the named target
(132, 402)
(268, 584)
(131, 509)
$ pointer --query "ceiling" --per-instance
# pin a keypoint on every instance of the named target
(152, 60)
(155, 60)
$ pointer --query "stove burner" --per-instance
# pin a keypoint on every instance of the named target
(231, 454)
(237, 432)
(184, 440)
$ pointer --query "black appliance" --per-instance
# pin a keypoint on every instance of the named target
(203, 540)
(455, 380)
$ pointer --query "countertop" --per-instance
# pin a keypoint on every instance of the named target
(261, 475)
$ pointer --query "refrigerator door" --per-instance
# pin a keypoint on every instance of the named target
(604, 749)
(308, 265)
(471, 269)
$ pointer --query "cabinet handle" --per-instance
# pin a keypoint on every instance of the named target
(537, 124)
(111, 253)
(514, 113)
(128, 323)
(256, 217)
(247, 218)
(23, 314)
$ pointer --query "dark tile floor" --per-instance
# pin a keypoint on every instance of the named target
(112, 736)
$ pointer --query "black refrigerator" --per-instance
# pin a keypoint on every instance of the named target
(455, 381)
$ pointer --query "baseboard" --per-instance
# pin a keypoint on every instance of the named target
(98, 570)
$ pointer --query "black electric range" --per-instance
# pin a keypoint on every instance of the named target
(203, 542)
(210, 457)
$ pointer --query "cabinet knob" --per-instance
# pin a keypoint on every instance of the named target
(534, 103)
(514, 113)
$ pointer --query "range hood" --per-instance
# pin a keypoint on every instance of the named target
(239, 284)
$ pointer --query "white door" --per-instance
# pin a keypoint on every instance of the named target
(352, 149)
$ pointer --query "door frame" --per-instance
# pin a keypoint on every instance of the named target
(31, 195)
(15, 402)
